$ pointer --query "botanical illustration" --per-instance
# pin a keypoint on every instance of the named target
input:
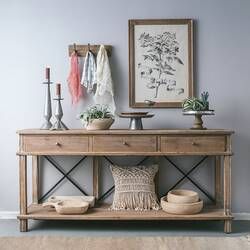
(159, 63)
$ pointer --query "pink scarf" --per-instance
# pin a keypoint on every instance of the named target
(74, 79)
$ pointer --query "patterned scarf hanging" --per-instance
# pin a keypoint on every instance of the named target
(89, 72)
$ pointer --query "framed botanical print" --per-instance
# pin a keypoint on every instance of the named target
(160, 62)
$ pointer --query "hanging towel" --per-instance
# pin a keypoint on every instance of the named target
(74, 79)
(104, 94)
(89, 72)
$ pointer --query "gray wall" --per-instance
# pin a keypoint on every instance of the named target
(35, 34)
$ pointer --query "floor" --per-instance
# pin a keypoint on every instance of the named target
(124, 228)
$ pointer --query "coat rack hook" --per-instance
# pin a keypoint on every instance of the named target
(75, 47)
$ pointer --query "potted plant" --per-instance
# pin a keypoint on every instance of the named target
(97, 117)
(197, 107)
(196, 104)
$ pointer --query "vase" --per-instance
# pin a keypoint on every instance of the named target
(100, 124)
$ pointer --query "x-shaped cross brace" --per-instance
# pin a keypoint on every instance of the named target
(65, 175)
(111, 190)
(186, 175)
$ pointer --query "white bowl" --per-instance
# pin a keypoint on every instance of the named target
(89, 199)
(182, 196)
(181, 209)
(68, 206)
(72, 207)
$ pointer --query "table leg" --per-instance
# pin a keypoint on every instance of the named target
(35, 179)
(218, 182)
(228, 226)
(23, 191)
(227, 193)
(96, 177)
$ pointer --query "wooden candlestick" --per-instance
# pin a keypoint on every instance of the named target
(58, 89)
(47, 73)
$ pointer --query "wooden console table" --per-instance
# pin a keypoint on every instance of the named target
(38, 143)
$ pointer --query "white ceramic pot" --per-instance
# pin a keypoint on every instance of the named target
(100, 124)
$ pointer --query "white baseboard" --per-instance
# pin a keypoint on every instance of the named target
(241, 216)
(8, 215)
(12, 215)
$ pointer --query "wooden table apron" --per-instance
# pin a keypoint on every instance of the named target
(36, 143)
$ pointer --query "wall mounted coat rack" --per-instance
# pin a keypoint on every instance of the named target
(82, 49)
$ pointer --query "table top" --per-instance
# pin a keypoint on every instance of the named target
(127, 132)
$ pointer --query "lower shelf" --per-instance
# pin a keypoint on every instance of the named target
(103, 213)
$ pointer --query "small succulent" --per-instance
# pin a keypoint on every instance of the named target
(95, 112)
(204, 98)
(196, 104)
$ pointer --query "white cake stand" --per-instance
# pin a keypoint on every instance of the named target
(198, 123)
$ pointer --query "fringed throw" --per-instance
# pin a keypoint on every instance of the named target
(134, 188)
(104, 94)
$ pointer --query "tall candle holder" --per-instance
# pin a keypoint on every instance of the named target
(47, 105)
(58, 125)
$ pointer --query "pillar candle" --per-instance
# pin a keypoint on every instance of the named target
(58, 89)
(47, 73)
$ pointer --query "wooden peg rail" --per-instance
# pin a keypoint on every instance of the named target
(82, 49)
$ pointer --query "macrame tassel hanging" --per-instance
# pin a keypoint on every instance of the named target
(104, 94)
(74, 79)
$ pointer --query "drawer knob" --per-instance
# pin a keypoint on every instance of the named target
(125, 143)
(195, 144)
(58, 144)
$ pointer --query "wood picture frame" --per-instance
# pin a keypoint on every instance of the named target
(160, 62)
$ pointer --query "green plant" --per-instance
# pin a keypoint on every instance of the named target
(204, 98)
(95, 112)
(196, 104)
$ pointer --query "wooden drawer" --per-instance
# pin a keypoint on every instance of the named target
(193, 144)
(54, 144)
(119, 144)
